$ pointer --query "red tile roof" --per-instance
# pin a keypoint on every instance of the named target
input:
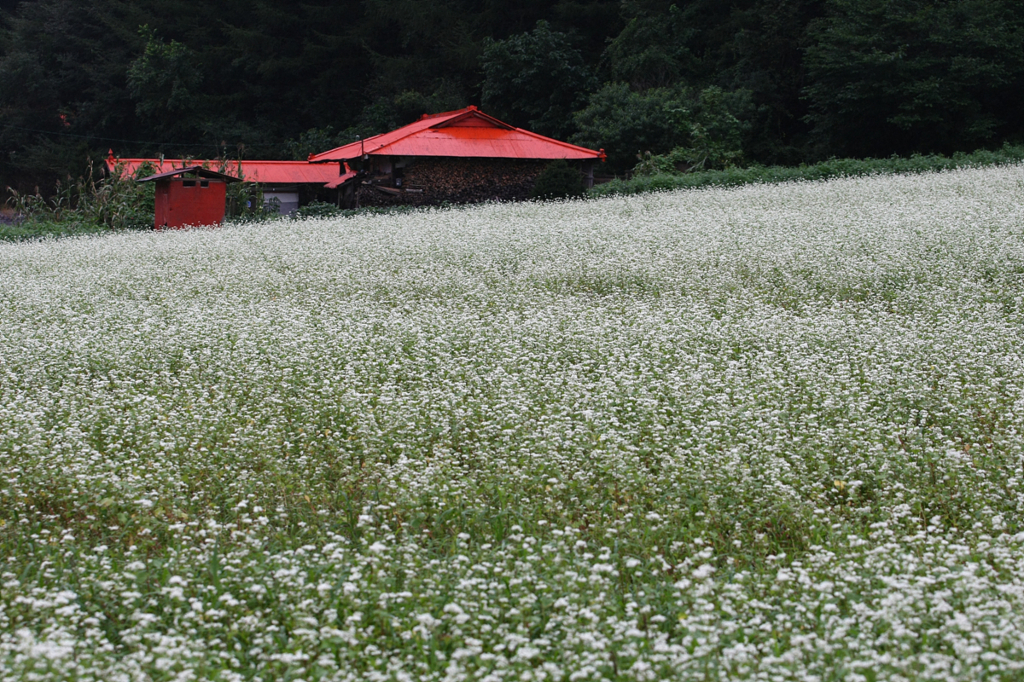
(464, 133)
(266, 172)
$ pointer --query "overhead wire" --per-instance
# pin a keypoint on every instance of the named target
(114, 139)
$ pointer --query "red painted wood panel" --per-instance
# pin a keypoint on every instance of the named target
(181, 203)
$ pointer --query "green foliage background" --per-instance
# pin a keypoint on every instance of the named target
(774, 82)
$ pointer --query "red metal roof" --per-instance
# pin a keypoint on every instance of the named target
(266, 172)
(464, 133)
(349, 174)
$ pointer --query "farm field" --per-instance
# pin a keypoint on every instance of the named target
(771, 432)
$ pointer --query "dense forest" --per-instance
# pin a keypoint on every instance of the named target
(745, 81)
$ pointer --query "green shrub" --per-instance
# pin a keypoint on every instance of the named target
(657, 173)
(558, 180)
(40, 229)
(703, 127)
(116, 202)
(317, 209)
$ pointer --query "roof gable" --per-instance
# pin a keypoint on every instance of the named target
(472, 118)
(198, 171)
(467, 133)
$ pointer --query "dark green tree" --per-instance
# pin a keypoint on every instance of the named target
(764, 57)
(536, 80)
(433, 48)
(590, 23)
(61, 88)
(654, 49)
(282, 68)
(164, 83)
(626, 123)
(750, 47)
(702, 126)
(420, 46)
(901, 76)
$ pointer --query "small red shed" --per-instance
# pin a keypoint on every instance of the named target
(190, 196)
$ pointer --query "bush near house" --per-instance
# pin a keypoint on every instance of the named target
(558, 180)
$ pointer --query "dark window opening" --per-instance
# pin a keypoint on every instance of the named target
(204, 183)
(188, 183)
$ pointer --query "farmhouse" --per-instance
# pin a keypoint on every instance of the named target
(457, 156)
(291, 183)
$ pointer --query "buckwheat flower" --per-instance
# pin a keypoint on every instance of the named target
(703, 572)
(770, 380)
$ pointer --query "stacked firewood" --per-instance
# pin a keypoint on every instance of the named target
(431, 181)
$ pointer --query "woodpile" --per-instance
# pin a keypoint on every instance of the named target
(431, 181)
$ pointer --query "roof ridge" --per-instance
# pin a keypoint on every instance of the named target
(418, 139)
(471, 107)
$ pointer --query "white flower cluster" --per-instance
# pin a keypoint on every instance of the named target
(763, 433)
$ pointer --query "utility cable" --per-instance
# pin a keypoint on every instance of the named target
(114, 139)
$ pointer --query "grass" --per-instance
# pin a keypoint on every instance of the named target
(32, 229)
(761, 432)
(833, 168)
(40, 227)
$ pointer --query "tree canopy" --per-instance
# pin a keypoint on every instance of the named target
(770, 81)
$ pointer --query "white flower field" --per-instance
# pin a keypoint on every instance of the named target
(769, 433)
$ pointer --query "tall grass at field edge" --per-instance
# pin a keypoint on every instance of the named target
(833, 168)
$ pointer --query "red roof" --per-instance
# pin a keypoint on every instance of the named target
(266, 172)
(464, 133)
